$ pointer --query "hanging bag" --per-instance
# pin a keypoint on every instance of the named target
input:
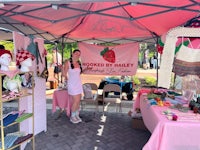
(187, 61)
(87, 90)
(32, 47)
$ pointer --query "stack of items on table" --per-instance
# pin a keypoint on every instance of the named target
(173, 100)
(166, 98)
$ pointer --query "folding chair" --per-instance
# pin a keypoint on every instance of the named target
(112, 94)
(92, 98)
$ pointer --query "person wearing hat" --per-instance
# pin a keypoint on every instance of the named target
(5, 59)
(24, 59)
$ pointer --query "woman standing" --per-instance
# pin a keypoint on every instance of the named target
(71, 72)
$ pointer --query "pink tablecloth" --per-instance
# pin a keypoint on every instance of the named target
(136, 104)
(167, 134)
(63, 100)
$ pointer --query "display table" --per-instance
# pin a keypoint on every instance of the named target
(62, 100)
(136, 104)
(182, 134)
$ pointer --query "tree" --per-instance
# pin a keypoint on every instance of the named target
(63, 48)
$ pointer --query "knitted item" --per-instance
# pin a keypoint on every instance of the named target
(23, 138)
(188, 54)
(12, 84)
(183, 68)
(187, 62)
(3, 51)
(23, 55)
(9, 141)
(9, 119)
(23, 117)
(17, 133)
(164, 74)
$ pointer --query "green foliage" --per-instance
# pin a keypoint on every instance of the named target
(114, 77)
(150, 80)
(143, 46)
(67, 48)
(8, 45)
(136, 80)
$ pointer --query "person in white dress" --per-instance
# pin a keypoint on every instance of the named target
(72, 71)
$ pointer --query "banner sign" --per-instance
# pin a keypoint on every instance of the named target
(112, 60)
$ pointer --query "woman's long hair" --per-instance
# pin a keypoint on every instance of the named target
(72, 65)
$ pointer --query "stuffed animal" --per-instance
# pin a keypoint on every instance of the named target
(13, 84)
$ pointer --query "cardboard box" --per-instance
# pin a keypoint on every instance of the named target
(53, 84)
(137, 123)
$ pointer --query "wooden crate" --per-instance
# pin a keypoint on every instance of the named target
(137, 123)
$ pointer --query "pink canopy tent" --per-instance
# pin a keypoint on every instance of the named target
(94, 21)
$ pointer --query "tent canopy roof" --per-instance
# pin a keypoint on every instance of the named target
(94, 21)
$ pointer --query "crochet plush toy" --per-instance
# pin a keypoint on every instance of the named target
(12, 84)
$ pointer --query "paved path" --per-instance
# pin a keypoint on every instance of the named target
(111, 132)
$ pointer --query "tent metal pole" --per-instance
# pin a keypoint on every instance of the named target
(57, 60)
(157, 62)
(62, 48)
(156, 40)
